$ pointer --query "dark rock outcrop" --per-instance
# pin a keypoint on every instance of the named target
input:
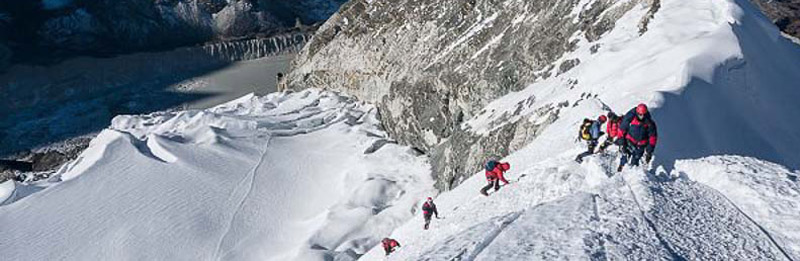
(784, 13)
(431, 65)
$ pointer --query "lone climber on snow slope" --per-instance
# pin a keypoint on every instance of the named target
(428, 210)
(494, 175)
(389, 245)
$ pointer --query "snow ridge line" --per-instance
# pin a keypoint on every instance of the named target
(675, 255)
(763, 230)
(504, 222)
(597, 255)
(251, 176)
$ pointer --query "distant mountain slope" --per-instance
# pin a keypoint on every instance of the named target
(38, 31)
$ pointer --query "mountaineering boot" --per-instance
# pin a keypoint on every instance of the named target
(619, 169)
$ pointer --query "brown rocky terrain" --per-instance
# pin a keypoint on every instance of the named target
(784, 13)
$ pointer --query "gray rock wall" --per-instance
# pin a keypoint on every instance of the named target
(430, 65)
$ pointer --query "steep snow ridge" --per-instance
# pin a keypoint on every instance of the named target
(714, 74)
(280, 177)
(557, 209)
(712, 69)
(686, 38)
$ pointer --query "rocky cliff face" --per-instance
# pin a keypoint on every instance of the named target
(430, 65)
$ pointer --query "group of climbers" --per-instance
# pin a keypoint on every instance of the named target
(428, 211)
(635, 133)
(495, 171)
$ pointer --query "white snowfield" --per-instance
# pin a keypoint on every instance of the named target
(722, 85)
(299, 176)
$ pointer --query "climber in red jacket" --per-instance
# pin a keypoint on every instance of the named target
(428, 210)
(494, 175)
(612, 130)
(389, 245)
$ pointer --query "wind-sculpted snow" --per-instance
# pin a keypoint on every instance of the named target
(280, 177)
(6, 190)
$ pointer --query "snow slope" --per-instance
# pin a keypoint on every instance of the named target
(560, 210)
(295, 176)
(720, 81)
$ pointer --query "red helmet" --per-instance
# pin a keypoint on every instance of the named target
(641, 109)
(429, 198)
(602, 118)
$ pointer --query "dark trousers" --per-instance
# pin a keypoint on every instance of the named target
(592, 144)
(427, 219)
(633, 153)
(492, 183)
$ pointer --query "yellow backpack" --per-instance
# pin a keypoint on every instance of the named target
(584, 131)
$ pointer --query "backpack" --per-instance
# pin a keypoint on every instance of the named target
(584, 132)
(490, 165)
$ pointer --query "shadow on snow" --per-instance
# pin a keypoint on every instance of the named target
(749, 108)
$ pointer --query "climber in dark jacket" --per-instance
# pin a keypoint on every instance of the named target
(428, 210)
(639, 136)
